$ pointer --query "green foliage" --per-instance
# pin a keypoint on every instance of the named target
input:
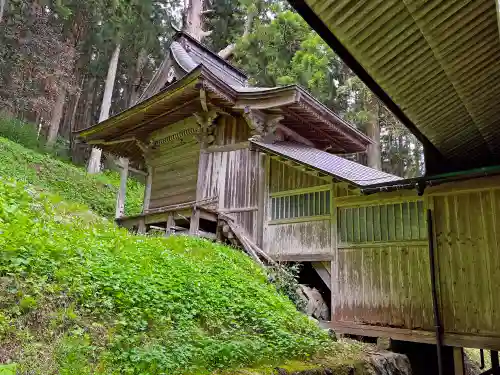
(20, 132)
(70, 182)
(8, 369)
(285, 279)
(105, 301)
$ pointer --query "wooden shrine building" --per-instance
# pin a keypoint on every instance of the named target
(190, 131)
(262, 168)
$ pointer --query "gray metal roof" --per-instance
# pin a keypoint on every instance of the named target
(190, 53)
(336, 166)
(181, 57)
(438, 61)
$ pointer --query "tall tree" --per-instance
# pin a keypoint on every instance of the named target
(94, 165)
(3, 3)
(194, 13)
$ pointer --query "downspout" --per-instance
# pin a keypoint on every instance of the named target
(435, 305)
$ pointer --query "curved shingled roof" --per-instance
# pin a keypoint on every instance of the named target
(437, 61)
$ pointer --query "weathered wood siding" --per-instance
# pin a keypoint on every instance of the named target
(384, 280)
(383, 285)
(380, 275)
(310, 237)
(467, 232)
(302, 226)
(174, 161)
(233, 175)
(283, 177)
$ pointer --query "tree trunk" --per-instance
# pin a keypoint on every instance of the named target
(57, 113)
(373, 131)
(2, 9)
(87, 111)
(227, 52)
(193, 19)
(120, 197)
(94, 165)
(136, 82)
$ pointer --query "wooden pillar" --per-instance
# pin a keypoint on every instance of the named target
(120, 197)
(142, 226)
(147, 189)
(205, 120)
(170, 224)
(458, 361)
(194, 224)
(261, 194)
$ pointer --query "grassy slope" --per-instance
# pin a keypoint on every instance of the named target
(80, 296)
(70, 182)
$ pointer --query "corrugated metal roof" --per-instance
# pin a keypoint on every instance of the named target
(438, 60)
(336, 166)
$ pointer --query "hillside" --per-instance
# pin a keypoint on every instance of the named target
(80, 296)
(70, 182)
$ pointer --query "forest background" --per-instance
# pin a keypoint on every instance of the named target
(68, 64)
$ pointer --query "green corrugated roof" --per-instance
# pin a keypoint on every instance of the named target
(439, 61)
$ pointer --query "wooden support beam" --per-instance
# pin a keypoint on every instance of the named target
(170, 224)
(261, 198)
(147, 189)
(142, 226)
(240, 209)
(229, 147)
(203, 99)
(323, 272)
(194, 223)
(109, 143)
(458, 361)
(294, 135)
(120, 197)
(138, 171)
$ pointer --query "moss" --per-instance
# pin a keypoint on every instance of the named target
(345, 358)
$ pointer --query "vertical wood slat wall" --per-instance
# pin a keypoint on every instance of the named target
(381, 272)
(304, 229)
(233, 176)
(384, 280)
(467, 234)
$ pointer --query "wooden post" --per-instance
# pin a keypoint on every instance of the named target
(458, 361)
(205, 120)
(194, 225)
(170, 224)
(120, 197)
(261, 194)
(147, 189)
(142, 226)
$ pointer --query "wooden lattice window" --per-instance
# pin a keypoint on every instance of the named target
(294, 206)
(403, 221)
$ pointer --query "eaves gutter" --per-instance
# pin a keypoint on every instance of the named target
(421, 183)
(327, 35)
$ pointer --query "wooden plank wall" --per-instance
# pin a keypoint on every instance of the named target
(233, 176)
(381, 273)
(383, 285)
(283, 177)
(174, 165)
(295, 237)
(467, 231)
(310, 237)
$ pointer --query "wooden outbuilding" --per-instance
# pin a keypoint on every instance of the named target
(263, 168)
(190, 133)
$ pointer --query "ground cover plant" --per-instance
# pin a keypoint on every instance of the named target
(70, 182)
(80, 296)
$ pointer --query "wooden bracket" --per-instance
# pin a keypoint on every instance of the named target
(203, 99)
(206, 121)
